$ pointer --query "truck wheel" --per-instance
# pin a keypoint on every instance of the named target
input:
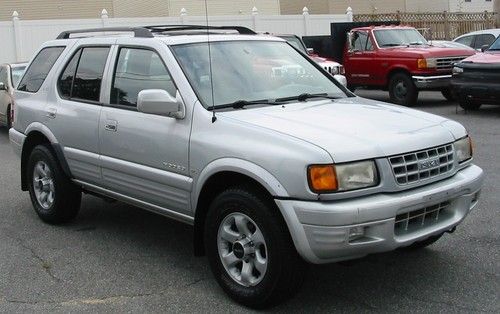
(424, 243)
(468, 104)
(448, 94)
(250, 250)
(402, 90)
(54, 197)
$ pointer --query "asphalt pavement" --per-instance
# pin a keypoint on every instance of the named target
(117, 258)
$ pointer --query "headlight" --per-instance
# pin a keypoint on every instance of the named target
(463, 148)
(426, 63)
(457, 70)
(342, 177)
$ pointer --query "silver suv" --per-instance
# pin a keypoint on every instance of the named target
(273, 162)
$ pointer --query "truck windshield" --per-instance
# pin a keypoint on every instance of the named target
(250, 71)
(399, 37)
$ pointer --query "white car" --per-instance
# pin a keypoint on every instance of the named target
(478, 39)
(10, 73)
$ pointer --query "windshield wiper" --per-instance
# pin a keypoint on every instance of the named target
(392, 45)
(305, 96)
(417, 43)
(238, 104)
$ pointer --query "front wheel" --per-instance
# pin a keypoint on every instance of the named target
(250, 250)
(9, 115)
(448, 94)
(468, 104)
(54, 197)
(402, 90)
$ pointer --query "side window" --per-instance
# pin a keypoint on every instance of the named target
(66, 79)
(467, 40)
(362, 42)
(39, 69)
(483, 39)
(3, 76)
(88, 77)
(138, 69)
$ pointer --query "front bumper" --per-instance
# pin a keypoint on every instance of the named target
(486, 92)
(432, 82)
(17, 141)
(320, 230)
(341, 79)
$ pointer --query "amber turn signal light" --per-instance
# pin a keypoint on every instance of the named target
(322, 178)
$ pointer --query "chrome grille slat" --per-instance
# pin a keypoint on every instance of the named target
(408, 168)
(423, 217)
(447, 62)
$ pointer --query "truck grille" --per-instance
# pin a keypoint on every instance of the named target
(421, 218)
(422, 165)
(447, 62)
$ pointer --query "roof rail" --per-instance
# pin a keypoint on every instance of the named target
(138, 31)
(172, 28)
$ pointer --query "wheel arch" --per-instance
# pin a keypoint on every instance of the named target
(37, 134)
(221, 175)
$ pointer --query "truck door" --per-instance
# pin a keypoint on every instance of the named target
(359, 60)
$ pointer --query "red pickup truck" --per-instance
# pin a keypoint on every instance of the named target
(389, 57)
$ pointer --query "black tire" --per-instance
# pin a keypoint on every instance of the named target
(402, 90)
(424, 243)
(468, 104)
(448, 94)
(285, 268)
(352, 88)
(9, 123)
(66, 196)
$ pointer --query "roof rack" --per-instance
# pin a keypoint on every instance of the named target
(148, 31)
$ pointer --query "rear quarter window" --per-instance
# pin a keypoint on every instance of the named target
(39, 69)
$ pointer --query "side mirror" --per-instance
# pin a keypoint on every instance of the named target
(350, 42)
(310, 51)
(484, 48)
(2, 86)
(160, 102)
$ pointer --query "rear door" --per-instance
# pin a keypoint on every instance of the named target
(143, 156)
(4, 94)
(74, 108)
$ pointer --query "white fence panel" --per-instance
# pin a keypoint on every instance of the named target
(7, 46)
(30, 34)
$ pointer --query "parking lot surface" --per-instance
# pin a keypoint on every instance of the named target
(117, 258)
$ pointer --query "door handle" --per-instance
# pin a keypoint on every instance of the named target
(51, 113)
(111, 125)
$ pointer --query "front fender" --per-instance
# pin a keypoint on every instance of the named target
(259, 174)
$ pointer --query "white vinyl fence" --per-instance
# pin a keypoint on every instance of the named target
(19, 39)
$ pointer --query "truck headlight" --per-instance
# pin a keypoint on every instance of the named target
(342, 177)
(457, 70)
(463, 149)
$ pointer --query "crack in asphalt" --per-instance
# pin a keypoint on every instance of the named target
(98, 300)
(44, 263)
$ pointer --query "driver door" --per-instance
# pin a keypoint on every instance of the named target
(361, 60)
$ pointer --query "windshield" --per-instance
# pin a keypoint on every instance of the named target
(17, 72)
(251, 71)
(495, 45)
(399, 37)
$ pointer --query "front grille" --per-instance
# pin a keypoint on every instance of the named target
(447, 62)
(422, 165)
(421, 218)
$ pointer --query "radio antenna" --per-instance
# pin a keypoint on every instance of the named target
(214, 117)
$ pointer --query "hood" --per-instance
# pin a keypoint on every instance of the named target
(354, 128)
(428, 52)
(486, 57)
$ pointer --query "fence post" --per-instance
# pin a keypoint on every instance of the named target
(184, 13)
(446, 26)
(350, 14)
(104, 18)
(17, 35)
(305, 15)
(255, 18)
